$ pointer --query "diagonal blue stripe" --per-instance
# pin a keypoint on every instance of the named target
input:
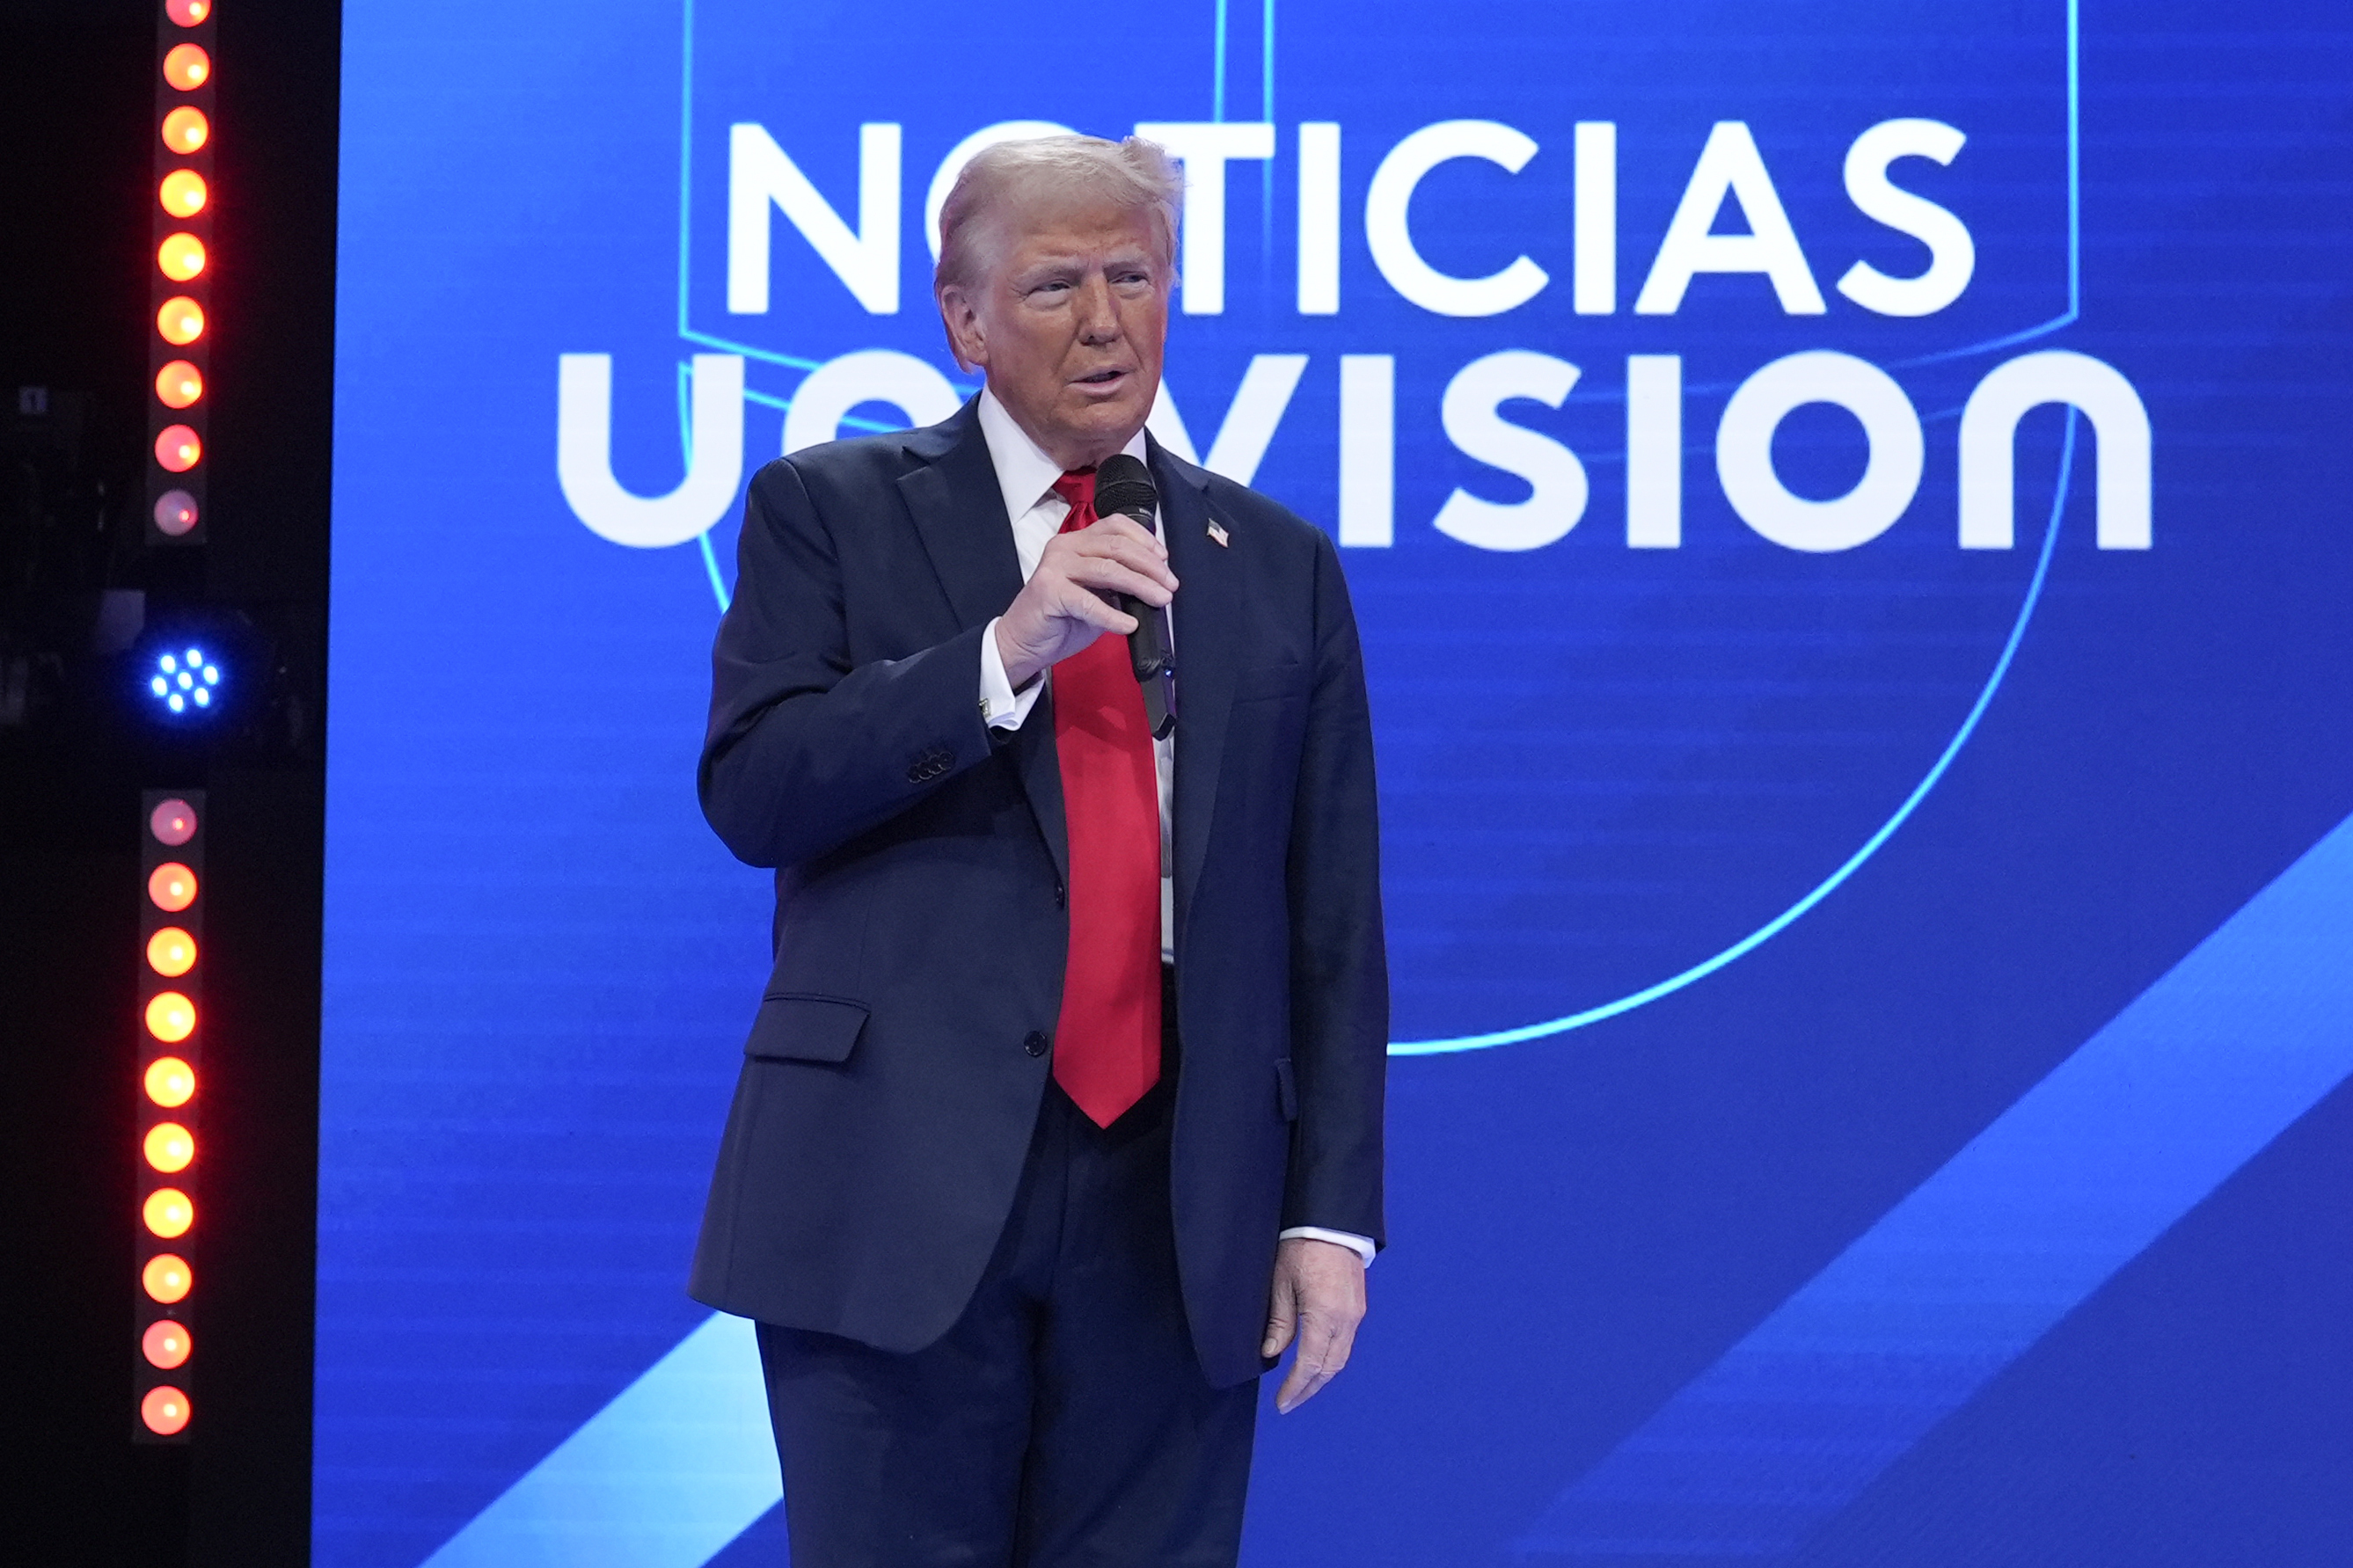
(2153, 1112)
(664, 1477)
(2150, 1115)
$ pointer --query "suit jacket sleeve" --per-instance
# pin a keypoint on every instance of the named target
(1339, 978)
(803, 752)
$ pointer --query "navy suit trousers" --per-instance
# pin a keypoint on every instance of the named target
(1062, 1422)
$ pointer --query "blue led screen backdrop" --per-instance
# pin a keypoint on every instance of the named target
(1847, 509)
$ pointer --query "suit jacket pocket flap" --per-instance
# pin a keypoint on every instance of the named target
(806, 1028)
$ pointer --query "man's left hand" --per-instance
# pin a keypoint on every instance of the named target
(1318, 1299)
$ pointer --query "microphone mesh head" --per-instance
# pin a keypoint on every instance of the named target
(1124, 484)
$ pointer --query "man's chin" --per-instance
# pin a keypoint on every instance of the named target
(1109, 425)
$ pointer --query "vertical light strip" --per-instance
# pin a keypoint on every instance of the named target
(180, 332)
(168, 1090)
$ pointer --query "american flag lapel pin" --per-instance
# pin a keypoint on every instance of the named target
(1219, 534)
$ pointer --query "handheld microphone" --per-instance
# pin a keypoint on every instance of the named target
(1122, 484)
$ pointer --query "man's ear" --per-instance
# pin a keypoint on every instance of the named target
(967, 341)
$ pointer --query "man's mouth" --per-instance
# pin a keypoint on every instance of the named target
(1101, 378)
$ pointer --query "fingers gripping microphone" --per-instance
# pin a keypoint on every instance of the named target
(1122, 484)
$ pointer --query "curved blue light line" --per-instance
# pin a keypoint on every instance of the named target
(711, 566)
(1830, 883)
(686, 445)
(1781, 922)
(1266, 69)
(2067, 317)
(1870, 846)
(1217, 63)
(848, 421)
(730, 346)
(1266, 113)
(2059, 322)
(685, 158)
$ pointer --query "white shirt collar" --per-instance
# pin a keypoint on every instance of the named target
(1024, 472)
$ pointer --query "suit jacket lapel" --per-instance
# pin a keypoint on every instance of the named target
(1207, 614)
(952, 493)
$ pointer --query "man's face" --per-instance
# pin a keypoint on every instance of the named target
(1070, 324)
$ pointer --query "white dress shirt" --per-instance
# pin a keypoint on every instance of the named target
(1025, 476)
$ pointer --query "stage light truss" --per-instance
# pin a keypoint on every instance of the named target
(183, 265)
(168, 1087)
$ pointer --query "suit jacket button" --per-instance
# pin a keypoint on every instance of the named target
(1034, 1042)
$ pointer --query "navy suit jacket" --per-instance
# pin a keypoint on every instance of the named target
(894, 1073)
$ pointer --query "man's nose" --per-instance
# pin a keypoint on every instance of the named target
(1097, 320)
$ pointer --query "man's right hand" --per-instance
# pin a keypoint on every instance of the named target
(1065, 605)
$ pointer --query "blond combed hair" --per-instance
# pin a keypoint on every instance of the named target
(1133, 173)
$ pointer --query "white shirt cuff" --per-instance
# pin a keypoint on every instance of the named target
(1362, 1246)
(1001, 708)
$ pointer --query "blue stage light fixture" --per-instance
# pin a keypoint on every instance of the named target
(184, 681)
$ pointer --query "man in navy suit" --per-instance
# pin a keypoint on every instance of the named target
(1061, 1113)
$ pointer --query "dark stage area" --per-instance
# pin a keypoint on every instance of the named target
(77, 750)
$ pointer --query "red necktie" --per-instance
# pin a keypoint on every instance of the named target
(1107, 1043)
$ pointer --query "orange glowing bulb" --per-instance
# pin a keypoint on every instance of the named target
(171, 1017)
(173, 887)
(185, 128)
(182, 193)
(187, 13)
(178, 448)
(179, 383)
(180, 257)
(166, 1278)
(165, 1343)
(171, 953)
(171, 1082)
(165, 1410)
(168, 1212)
(170, 1147)
(181, 321)
(187, 67)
